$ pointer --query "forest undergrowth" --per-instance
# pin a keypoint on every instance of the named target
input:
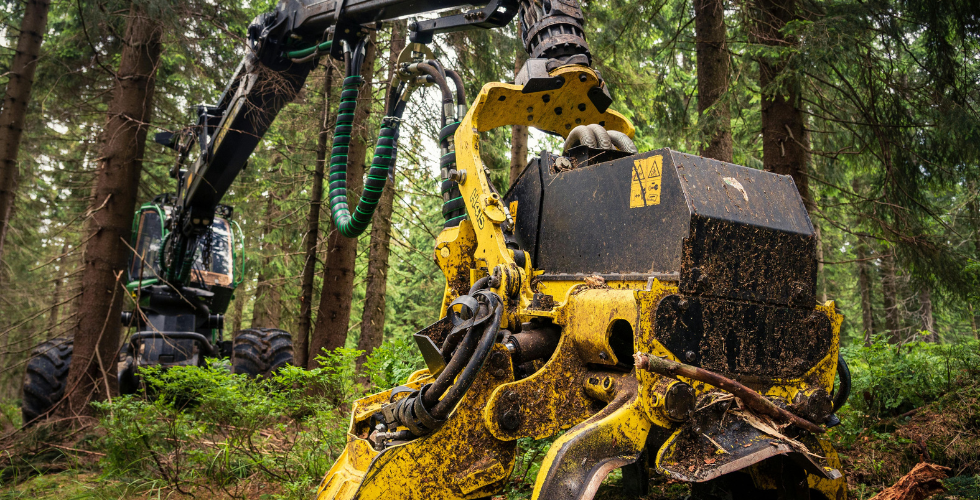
(206, 433)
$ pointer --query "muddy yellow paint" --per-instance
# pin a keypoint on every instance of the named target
(472, 454)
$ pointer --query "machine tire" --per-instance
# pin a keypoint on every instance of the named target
(261, 351)
(45, 377)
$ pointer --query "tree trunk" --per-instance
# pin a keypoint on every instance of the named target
(236, 320)
(975, 215)
(928, 323)
(864, 285)
(785, 143)
(373, 318)
(302, 346)
(267, 310)
(333, 313)
(889, 292)
(59, 283)
(109, 223)
(18, 94)
(518, 133)
(973, 321)
(713, 64)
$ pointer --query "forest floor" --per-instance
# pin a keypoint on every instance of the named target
(277, 448)
(945, 432)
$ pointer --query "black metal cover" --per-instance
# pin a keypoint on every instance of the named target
(730, 231)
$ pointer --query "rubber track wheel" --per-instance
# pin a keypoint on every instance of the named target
(280, 351)
(45, 377)
(247, 352)
(261, 351)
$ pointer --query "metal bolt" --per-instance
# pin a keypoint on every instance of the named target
(459, 176)
(690, 356)
(603, 355)
(510, 396)
(682, 304)
(511, 419)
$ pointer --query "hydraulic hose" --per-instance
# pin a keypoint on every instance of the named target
(844, 390)
(445, 406)
(300, 53)
(471, 314)
(382, 164)
(480, 284)
(453, 206)
(423, 411)
(440, 81)
(460, 93)
(461, 356)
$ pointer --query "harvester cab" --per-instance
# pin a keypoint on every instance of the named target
(178, 325)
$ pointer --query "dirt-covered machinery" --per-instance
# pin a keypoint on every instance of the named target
(171, 324)
(649, 311)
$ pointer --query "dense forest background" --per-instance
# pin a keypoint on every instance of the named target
(885, 93)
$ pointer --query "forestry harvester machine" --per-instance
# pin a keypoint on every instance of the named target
(180, 301)
(654, 312)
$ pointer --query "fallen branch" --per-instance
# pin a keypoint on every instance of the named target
(753, 400)
(75, 450)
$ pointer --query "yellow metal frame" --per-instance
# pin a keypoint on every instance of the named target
(473, 453)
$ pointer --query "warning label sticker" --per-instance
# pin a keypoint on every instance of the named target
(645, 188)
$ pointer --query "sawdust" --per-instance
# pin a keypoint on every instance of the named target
(595, 282)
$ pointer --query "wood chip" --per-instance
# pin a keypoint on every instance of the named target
(923, 481)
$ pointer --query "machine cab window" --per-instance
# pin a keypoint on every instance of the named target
(213, 259)
(145, 263)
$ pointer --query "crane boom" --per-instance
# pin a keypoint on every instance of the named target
(284, 46)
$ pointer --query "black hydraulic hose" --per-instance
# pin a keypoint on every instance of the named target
(460, 90)
(844, 391)
(445, 406)
(463, 353)
(461, 328)
(447, 94)
(438, 65)
(479, 285)
(453, 206)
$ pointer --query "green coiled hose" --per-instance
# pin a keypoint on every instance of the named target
(353, 225)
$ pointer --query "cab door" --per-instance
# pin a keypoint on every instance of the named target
(148, 233)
